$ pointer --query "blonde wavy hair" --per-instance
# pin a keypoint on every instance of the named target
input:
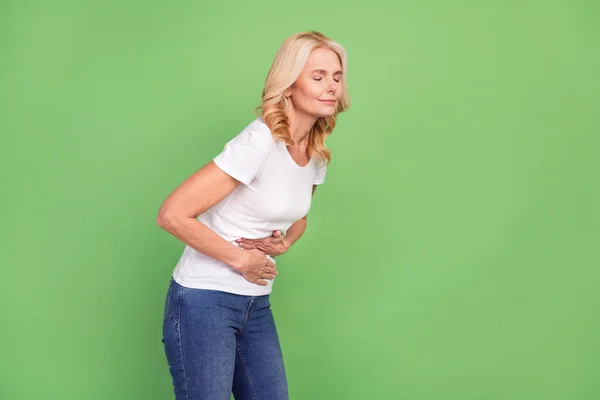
(285, 70)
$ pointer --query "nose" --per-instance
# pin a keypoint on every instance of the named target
(332, 87)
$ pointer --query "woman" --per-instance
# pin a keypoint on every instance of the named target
(235, 215)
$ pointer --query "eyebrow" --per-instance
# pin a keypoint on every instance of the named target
(324, 72)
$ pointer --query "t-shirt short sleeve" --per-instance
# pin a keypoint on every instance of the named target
(321, 172)
(244, 155)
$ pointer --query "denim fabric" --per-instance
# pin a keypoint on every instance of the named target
(218, 343)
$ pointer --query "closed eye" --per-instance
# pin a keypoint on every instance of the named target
(318, 79)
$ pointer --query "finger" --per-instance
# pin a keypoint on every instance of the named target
(250, 245)
(262, 282)
(268, 274)
(263, 249)
(244, 240)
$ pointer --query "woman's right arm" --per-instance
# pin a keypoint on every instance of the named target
(202, 190)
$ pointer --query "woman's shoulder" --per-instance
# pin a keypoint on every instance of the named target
(258, 134)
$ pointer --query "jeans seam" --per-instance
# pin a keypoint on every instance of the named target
(181, 344)
(254, 397)
(168, 301)
(248, 312)
(178, 305)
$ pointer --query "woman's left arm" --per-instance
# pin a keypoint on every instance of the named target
(277, 244)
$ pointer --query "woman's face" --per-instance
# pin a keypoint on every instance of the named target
(317, 90)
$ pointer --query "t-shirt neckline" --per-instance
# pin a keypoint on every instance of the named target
(289, 156)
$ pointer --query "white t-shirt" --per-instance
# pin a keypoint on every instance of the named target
(274, 193)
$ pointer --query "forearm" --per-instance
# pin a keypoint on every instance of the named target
(204, 240)
(295, 231)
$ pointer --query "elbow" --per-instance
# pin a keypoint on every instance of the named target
(164, 219)
(170, 221)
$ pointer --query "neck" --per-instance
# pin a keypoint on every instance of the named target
(300, 125)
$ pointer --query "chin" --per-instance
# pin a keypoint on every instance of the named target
(325, 112)
(321, 111)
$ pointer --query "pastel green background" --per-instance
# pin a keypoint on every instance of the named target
(451, 254)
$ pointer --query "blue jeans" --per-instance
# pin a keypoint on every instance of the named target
(218, 343)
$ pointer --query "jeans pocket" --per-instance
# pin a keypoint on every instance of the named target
(168, 300)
